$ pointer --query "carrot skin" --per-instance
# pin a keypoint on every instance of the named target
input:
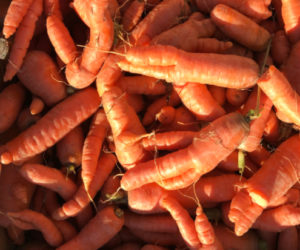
(290, 11)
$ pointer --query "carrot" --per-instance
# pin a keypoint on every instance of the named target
(26, 119)
(51, 127)
(272, 131)
(84, 216)
(249, 203)
(212, 45)
(69, 148)
(256, 9)
(142, 85)
(67, 230)
(236, 97)
(284, 98)
(240, 28)
(290, 11)
(166, 115)
(132, 15)
(11, 102)
(128, 246)
(270, 25)
(259, 155)
(175, 163)
(52, 7)
(183, 220)
(36, 105)
(99, 230)
(50, 178)
(15, 13)
(46, 83)
(50, 202)
(218, 93)
(288, 239)
(280, 47)
(126, 128)
(92, 147)
(81, 198)
(173, 65)
(29, 219)
(111, 190)
(198, 100)
(22, 39)
(136, 101)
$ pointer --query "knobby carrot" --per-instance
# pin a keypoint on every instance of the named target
(15, 13)
(46, 82)
(174, 65)
(284, 97)
(211, 140)
(290, 11)
(199, 101)
(50, 178)
(51, 127)
(240, 28)
(22, 39)
(99, 230)
(11, 102)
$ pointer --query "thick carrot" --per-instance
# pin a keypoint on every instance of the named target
(29, 219)
(290, 11)
(46, 83)
(280, 173)
(256, 9)
(198, 100)
(22, 39)
(240, 28)
(99, 230)
(92, 147)
(280, 48)
(15, 13)
(211, 140)
(126, 128)
(132, 15)
(81, 198)
(51, 127)
(11, 102)
(284, 97)
(174, 65)
(50, 178)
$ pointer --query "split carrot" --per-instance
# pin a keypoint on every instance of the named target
(51, 127)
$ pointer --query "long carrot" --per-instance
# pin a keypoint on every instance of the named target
(207, 142)
(173, 65)
(22, 39)
(99, 230)
(51, 127)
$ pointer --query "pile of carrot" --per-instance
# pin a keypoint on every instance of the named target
(150, 124)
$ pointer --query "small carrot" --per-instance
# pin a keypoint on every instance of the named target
(22, 39)
(46, 83)
(15, 13)
(51, 127)
(290, 11)
(240, 28)
(11, 102)
(99, 230)
(174, 65)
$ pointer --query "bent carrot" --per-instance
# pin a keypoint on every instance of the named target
(240, 28)
(51, 127)
(174, 65)
(99, 230)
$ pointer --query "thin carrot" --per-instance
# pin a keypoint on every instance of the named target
(22, 39)
(46, 83)
(99, 230)
(240, 28)
(51, 127)
(174, 65)
(211, 140)
(290, 11)
(15, 13)
(11, 102)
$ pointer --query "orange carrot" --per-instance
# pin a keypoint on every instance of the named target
(198, 100)
(11, 102)
(240, 28)
(84, 216)
(15, 13)
(174, 65)
(207, 142)
(52, 127)
(132, 15)
(36, 105)
(212, 45)
(283, 96)
(111, 190)
(52, 7)
(22, 39)
(249, 203)
(69, 148)
(256, 9)
(67, 230)
(136, 101)
(50, 178)
(272, 131)
(290, 11)
(166, 115)
(46, 83)
(236, 97)
(218, 93)
(29, 219)
(99, 230)
(259, 155)
(280, 47)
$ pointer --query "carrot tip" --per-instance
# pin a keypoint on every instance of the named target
(6, 158)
